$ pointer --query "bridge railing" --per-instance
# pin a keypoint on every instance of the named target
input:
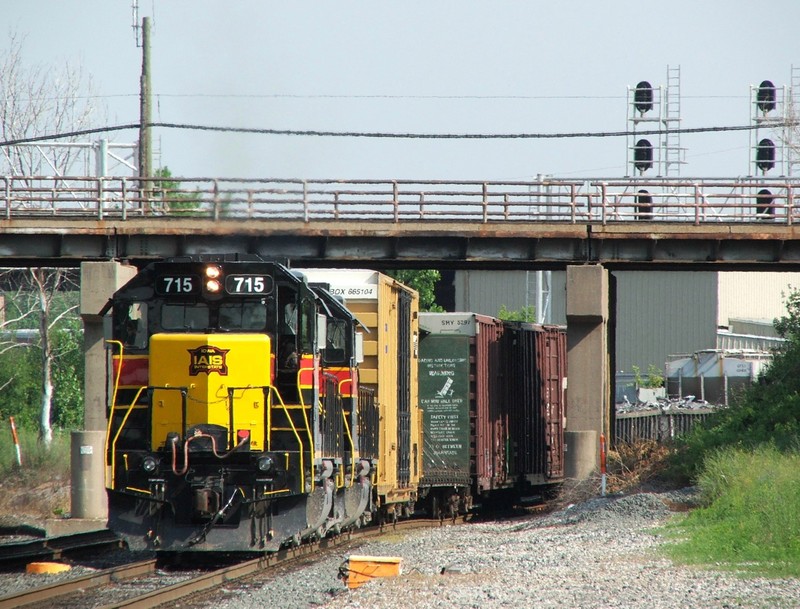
(695, 201)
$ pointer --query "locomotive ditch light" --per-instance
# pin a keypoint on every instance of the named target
(265, 463)
(149, 464)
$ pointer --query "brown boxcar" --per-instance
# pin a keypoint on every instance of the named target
(535, 370)
(465, 428)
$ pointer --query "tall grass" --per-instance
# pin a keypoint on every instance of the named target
(751, 521)
(38, 463)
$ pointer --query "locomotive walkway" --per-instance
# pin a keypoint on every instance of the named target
(627, 223)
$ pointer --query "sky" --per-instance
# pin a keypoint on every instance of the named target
(427, 67)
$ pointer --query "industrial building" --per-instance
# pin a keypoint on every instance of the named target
(658, 313)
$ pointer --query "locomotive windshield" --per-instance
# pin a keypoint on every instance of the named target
(185, 316)
(225, 316)
(242, 316)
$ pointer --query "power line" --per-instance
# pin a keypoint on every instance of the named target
(384, 135)
(368, 96)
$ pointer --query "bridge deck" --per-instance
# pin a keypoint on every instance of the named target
(503, 224)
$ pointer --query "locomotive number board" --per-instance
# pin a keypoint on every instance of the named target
(249, 284)
(177, 285)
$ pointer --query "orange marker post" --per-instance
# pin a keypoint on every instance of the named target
(16, 440)
(602, 465)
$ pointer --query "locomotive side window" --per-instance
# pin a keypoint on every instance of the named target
(335, 341)
(184, 317)
(308, 321)
(131, 324)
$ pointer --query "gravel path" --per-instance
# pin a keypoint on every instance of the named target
(599, 554)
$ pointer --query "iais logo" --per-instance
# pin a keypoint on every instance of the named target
(208, 359)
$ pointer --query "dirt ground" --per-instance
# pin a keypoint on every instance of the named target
(25, 501)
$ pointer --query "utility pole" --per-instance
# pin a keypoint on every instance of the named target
(145, 108)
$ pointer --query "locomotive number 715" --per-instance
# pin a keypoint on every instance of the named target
(177, 284)
(248, 284)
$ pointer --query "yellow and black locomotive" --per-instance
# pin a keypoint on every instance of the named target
(244, 400)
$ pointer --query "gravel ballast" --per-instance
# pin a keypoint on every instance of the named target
(599, 554)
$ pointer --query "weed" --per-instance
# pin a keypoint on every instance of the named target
(751, 518)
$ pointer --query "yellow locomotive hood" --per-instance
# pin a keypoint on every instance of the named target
(216, 379)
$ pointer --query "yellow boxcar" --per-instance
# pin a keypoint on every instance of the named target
(389, 312)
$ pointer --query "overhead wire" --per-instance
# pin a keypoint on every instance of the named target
(384, 135)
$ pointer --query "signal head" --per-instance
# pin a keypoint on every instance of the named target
(766, 96)
(643, 97)
(643, 155)
(765, 154)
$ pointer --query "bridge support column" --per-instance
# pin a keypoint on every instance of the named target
(89, 508)
(99, 280)
(588, 392)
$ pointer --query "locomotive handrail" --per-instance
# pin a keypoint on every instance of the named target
(564, 201)
(296, 435)
(349, 434)
(116, 436)
(305, 409)
(113, 403)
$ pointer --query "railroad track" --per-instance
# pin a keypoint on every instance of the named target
(55, 548)
(46, 594)
(155, 592)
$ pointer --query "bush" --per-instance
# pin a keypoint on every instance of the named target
(752, 516)
(38, 463)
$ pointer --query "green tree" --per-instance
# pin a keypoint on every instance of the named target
(68, 374)
(768, 412)
(37, 312)
(524, 314)
(654, 379)
(171, 199)
(20, 374)
(424, 282)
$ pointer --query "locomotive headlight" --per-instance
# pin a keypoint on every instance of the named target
(213, 286)
(213, 272)
(149, 465)
(264, 464)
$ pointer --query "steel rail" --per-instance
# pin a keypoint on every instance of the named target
(94, 580)
(54, 547)
(241, 570)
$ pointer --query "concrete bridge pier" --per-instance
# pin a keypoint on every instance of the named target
(89, 508)
(588, 368)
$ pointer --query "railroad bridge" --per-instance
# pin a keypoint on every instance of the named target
(587, 227)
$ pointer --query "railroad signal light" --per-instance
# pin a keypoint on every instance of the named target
(643, 97)
(765, 154)
(766, 96)
(643, 155)
(764, 204)
(644, 205)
